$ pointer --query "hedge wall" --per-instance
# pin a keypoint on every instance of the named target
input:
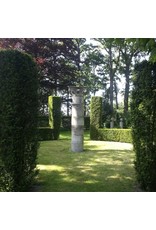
(66, 123)
(43, 121)
(45, 134)
(18, 120)
(119, 135)
(95, 116)
(143, 110)
(54, 104)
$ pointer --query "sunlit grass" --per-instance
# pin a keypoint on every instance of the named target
(103, 166)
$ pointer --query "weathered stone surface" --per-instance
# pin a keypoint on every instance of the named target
(77, 131)
(77, 110)
(77, 121)
(77, 100)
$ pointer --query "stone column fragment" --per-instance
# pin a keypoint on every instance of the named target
(77, 121)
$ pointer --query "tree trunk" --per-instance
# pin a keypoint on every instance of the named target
(111, 79)
(67, 103)
(111, 92)
(116, 95)
(126, 96)
(84, 107)
(55, 90)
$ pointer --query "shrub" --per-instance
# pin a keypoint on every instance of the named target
(143, 111)
(95, 117)
(86, 123)
(18, 120)
(119, 135)
(45, 134)
(66, 123)
(55, 115)
(43, 121)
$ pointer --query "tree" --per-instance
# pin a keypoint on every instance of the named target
(129, 51)
(148, 46)
(87, 60)
(55, 58)
(110, 63)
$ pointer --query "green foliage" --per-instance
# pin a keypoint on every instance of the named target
(45, 134)
(18, 120)
(55, 115)
(143, 110)
(147, 45)
(119, 135)
(43, 121)
(86, 123)
(95, 116)
(127, 120)
(50, 106)
(66, 122)
(106, 112)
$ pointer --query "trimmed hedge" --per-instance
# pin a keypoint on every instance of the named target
(54, 104)
(43, 121)
(18, 120)
(143, 111)
(66, 123)
(45, 134)
(119, 135)
(95, 116)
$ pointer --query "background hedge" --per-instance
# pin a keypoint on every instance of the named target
(119, 135)
(95, 116)
(43, 121)
(18, 120)
(66, 123)
(45, 134)
(54, 104)
(143, 111)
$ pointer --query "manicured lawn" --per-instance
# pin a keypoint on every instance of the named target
(102, 167)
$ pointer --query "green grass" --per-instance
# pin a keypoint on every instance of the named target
(102, 167)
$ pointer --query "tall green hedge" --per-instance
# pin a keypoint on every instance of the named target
(54, 104)
(18, 120)
(143, 110)
(95, 116)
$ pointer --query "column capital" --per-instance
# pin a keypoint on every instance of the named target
(76, 90)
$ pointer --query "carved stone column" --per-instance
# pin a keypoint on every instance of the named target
(77, 121)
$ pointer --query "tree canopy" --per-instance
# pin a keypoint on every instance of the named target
(100, 64)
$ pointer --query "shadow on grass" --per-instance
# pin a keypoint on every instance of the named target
(90, 171)
(111, 180)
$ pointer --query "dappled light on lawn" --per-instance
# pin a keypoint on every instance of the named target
(50, 167)
(103, 166)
